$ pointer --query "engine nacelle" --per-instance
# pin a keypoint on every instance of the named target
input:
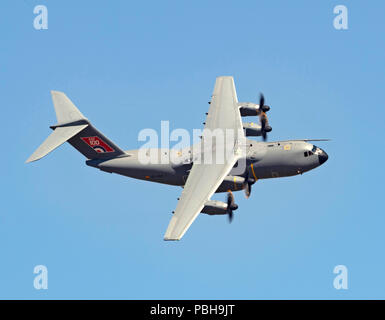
(214, 207)
(252, 129)
(249, 109)
(233, 183)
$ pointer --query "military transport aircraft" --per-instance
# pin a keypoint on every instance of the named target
(247, 161)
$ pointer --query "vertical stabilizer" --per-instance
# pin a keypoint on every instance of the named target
(74, 128)
(66, 112)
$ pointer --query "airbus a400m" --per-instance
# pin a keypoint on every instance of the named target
(248, 160)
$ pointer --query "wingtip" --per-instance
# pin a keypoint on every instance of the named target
(33, 157)
(56, 91)
(30, 159)
(170, 239)
(225, 77)
(59, 95)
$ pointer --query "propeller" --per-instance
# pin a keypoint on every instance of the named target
(231, 205)
(249, 181)
(247, 189)
(263, 117)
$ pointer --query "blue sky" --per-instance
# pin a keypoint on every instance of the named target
(129, 65)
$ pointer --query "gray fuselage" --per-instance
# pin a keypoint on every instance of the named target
(264, 160)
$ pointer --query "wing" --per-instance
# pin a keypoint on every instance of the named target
(205, 178)
(223, 112)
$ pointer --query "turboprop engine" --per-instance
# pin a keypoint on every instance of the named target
(247, 109)
(252, 129)
(250, 109)
(233, 183)
(215, 207)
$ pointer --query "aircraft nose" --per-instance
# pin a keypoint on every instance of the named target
(323, 157)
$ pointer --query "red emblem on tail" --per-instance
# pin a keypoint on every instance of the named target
(97, 144)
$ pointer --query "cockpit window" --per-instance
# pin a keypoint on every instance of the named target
(316, 150)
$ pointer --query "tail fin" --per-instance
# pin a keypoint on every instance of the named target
(73, 127)
(66, 112)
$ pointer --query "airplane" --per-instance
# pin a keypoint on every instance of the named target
(247, 162)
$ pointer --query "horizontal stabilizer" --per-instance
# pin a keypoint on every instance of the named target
(55, 139)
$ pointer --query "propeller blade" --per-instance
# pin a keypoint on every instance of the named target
(261, 101)
(263, 117)
(230, 199)
(230, 205)
(249, 181)
(264, 135)
(231, 216)
(247, 190)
